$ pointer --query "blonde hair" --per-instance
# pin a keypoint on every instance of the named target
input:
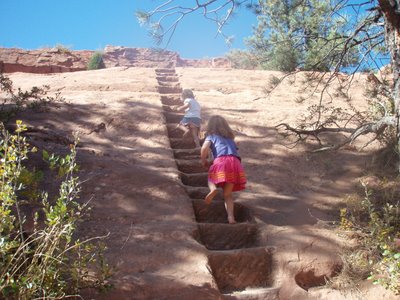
(218, 125)
(187, 93)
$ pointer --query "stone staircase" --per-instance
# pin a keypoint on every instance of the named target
(241, 267)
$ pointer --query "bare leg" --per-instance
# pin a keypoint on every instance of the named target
(185, 130)
(228, 187)
(213, 192)
(195, 134)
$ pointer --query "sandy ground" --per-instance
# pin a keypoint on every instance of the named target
(159, 244)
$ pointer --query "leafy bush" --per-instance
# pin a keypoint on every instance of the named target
(96, 62)
(300, 34)
(43, 261)
(242, 59)
(283, 58)
(18, 100)
(30, 180)
(63, 49)
(376, 223)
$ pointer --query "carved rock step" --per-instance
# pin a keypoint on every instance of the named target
(228, 236)
(173, 131)
(190, 166)
(180, 143)
(194, 179)
(236, 270)
(168, 108)
(173, 117)
(216, 213)
(177, 141)
(164, 74)
(167, 78)
(187, 154)
(169, 90)
(172, 99)
(169, 84)
(201, 192)
(165, 71)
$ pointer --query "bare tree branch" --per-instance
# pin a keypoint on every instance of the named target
(373, 127)
(169, 15)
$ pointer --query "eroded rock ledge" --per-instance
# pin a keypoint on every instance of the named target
(57, 60)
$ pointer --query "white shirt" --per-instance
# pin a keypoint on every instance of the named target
(194, 110)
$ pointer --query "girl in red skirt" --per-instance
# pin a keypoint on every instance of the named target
(226, 170)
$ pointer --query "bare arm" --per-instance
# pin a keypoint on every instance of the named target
(204, 153)
(182, 107)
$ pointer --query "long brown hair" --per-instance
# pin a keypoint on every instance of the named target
(218, 125)
(187, 93)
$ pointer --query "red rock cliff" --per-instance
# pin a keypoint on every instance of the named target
(56, 60)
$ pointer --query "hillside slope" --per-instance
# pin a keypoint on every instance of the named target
(146, 185)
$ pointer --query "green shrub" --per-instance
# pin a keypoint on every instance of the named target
(46, 261)
(242, 59)
(18, 100)
(63, 49)
(376, 223)
(283, 58)
(30, 180)
(96, 62)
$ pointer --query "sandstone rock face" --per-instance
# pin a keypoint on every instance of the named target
(217, 62)
(220, 62)
(57, 60)
(43, 61)
(138, 57)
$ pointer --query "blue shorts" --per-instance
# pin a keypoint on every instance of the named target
(191, 121)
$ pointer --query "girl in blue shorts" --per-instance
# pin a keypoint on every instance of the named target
(190, 124)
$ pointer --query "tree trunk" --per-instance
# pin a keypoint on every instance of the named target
(390, 11)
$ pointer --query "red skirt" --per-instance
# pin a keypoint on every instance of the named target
(227, 169)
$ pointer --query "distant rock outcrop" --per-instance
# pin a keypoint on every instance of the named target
(56, 60)
(53, 60)
(114, 56)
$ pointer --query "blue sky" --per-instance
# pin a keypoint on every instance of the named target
(93, 24)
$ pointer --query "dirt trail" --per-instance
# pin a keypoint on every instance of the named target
(147, 186)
